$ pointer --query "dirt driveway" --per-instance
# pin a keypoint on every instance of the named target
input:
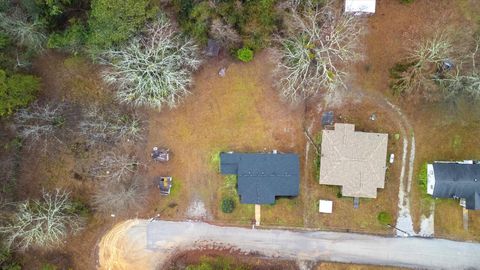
(144, 244)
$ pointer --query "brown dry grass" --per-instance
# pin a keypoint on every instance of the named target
(240, 112)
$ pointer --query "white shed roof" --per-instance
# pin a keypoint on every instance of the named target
(360, 6)
(325, 206)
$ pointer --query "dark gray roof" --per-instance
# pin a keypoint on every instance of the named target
(262, 177)
(213, 48)
(458, 180)
(327, 118)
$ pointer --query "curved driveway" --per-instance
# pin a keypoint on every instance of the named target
(145, 244)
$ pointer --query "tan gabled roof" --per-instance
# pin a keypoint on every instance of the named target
(354, 160)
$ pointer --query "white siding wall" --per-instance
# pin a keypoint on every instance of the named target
(430, 179)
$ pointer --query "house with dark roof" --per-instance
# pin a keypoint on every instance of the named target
(263, 176)
(457, 180)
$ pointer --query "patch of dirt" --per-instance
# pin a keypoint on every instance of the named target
(197, 210)
(234, 258)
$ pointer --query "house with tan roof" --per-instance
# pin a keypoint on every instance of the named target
(354, 160)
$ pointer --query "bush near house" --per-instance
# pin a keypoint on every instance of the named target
(228, 205)
(245, 55)
(422, 178)
(384, 218)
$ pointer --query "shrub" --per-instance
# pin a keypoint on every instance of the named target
(406, 1)
(207, 263)
(16, 91)
(245, 54)
(228, 205)
(422, 178)
(384, 218)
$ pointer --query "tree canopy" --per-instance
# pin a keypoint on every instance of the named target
(113, 22)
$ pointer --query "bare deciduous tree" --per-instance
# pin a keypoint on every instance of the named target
(22, 30)
(315, 50)
(40, 123)
(115, 198)
(115, 168)
(465, 79)
(424, 72)
(41, 223)
(110, 127)
(155, 69)
(418, 70)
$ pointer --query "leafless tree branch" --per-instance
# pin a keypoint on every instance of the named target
(115, 168)
(314, 52)
(41, 223)
(40, 123)
(116, 198)
(110, 127)
(154, 69)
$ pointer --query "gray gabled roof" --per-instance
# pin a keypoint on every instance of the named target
(261, 176)
(458, 180)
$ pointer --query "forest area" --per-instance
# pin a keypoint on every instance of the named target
(81, 82)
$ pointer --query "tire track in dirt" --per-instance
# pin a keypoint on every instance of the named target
(123, 247)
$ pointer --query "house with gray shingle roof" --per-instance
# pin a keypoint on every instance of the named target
(262, 176)
(354, 160)
(458, 180)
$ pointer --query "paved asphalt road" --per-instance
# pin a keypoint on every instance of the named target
(158, 239)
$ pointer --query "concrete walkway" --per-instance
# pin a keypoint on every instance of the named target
(145, 244)
(258, 216)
